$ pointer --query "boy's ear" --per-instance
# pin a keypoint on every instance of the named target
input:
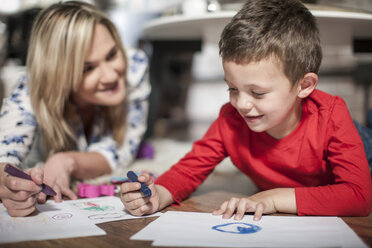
(307, 84)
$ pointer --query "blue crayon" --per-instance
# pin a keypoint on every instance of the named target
(133, 177)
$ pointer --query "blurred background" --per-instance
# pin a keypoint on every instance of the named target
(186, 72)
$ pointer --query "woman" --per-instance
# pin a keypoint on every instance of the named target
(81, 108)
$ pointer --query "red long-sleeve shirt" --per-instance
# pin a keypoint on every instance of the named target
(323, 159)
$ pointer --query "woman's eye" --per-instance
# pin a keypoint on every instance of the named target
(87, 69)
(112, 54)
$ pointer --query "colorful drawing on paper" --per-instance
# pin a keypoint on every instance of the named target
(237, 228)
(94, 207)
(62, 216)
(113, 215)
(102, 209)
(46, 223)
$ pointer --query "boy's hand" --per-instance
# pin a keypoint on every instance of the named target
(134, 200)
(137, 204)
(19, 195)
(265, 202)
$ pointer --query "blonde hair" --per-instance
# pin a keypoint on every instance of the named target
(59, 43)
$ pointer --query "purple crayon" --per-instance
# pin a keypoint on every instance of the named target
(18, 173)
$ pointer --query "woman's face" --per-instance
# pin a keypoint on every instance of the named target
(104, 72)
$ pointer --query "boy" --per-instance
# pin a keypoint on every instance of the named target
(298, 144)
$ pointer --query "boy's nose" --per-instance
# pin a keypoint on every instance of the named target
(244, 104)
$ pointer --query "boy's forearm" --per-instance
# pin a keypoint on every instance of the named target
(165, 197)
(285, 200)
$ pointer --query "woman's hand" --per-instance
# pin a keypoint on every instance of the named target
(265, 202)
(62, 166)
(57, 172)
(137, 204)
(19, 195)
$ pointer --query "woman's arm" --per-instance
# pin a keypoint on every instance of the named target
(60, 167)
(80, 165)
(17, 126)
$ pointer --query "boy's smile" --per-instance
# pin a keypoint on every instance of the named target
(253, 119)
(264, 96)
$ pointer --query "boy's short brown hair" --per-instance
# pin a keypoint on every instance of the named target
(285, 29)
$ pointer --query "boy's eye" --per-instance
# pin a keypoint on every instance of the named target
(230, 89)
(258, 94)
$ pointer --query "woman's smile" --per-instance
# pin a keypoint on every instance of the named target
(112, 87)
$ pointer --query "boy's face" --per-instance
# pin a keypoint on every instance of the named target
(264, 96)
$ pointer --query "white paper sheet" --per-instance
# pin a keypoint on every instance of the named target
(203, 229)
(103, 209)
(53, 221)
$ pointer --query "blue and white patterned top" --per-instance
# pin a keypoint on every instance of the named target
(20, 139)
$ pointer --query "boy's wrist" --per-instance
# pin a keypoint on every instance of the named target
(165, 197)
(285, 200)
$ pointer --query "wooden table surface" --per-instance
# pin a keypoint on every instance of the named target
(119, 232)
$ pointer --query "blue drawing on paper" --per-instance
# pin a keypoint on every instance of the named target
(237, 228)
